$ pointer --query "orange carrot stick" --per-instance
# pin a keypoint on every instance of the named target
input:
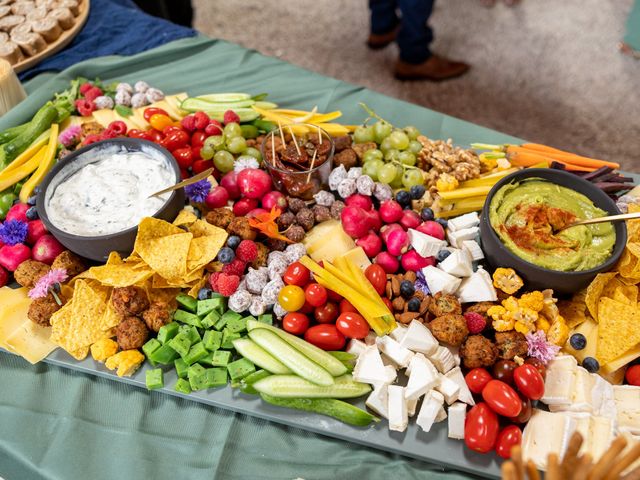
(525, 158)
(565, 156)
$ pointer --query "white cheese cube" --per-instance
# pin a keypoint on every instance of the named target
(440, 281)
(448, 388)
(455, 353)
(457, 416)
(477, 288)
(398, 333)
(423, 377)
(356, 347)
(601, 431)
(560, 381)
(602, 398)
(425, 245)
(467, 220)
(370, 339)
(378, 400)
(583, 427)
(627, 398)
(457, 264)
(398, 415)
(546, 433)
(411, 406)
(431, 405)
(369, 367)
(442, 359)
(400, 355)
(442, 414)
(464, 395)
(473, 249)
(457, 237)
(390, 373)
(418, 338)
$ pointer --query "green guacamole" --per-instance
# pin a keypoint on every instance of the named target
(525, 216)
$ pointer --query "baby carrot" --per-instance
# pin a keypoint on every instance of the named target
(568, 156)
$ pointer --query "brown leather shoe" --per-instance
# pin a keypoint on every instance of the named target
(435, 68)
(379, 41)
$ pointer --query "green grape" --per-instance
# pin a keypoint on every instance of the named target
(215, 141)
(399, 140)
(249, 131)
(223, 161)
(412, 132)
(397, 180)
(385, 145)
(236, 144)
(373, 154)
(206, 152)
(391, 155)
(381, 131)
(406, 158)
(253, 152)
(411, 177)
(415, 146)
(372, 167)
(232, 130)
(363, 134)
(387, 173)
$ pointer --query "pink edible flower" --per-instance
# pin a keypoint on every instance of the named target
(47, 281)
(70, 136)
(540, 348)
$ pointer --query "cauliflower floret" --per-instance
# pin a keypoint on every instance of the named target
(446, 183)
(542, 323)
(525, 315)
(507, 280)
(550, 309)
(533, 300)
(511, 304)
(103, 349)
(521, 328)
(558, 333)
(502, 319)
(126, 362)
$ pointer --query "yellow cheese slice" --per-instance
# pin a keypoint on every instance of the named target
(589, 329)
(357, 256)
(12, 301)
(622, 360)
(104, 116)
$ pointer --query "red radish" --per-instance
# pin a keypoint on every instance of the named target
(274, 199)
(189, 123)
(254, 183)
(11, 256)
(212, 129)
(202, 120)
(431, 228)
(358, 200)
(230, 116)
(35, 229)
(411, 260)
(390, 211)
(217, 197)
(370, 243)
(46, 249)
(4, 277)
(18, 212)
(256, 211)
(397, 242)
(230, 182)
(410, 219)
(244, 206)
(388, 262)
(387, 229)
(373, 217)
(354, 221)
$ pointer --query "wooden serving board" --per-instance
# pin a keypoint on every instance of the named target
(62, 41)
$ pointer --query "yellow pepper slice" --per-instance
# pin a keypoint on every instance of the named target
(46, 164)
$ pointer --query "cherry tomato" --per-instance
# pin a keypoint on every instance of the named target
(150, 111)
(503, 370)
(291, 298)
(502, 398)
(306, 308)
(296, 274)
(196, 153)
(197, 139)
(326, 313)
(201, 120)
(213, 129)
(170, 129)
(155, 136)
(377, 277)
(326, 337)
(295, 323)
(481, 428)
(158, 121)
(135, 133)
(529, 381)
(345, 306)
(334, 297)
(183, 156)
(200, 166)
(184, 174)
(477, 379)
(315, 294)
(176, 139)
(632, 375)
(509, 436)
(525, 412)
(388, 303)
(539, 364)
(352, 325)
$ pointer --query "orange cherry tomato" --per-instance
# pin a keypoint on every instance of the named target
(159, 121)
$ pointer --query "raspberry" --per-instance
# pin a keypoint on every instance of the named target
(85, 107)
(189, 123)
(236, 267)
(230, 116)
(475, 322)
(213, 281)
(227, 284)
(201, 120)
(93, 93)
(85, 87)
(247, 251)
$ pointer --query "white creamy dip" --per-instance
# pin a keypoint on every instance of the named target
(110, 194)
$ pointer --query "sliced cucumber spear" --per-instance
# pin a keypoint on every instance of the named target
(225, 97)
(259, 356)
(292, 386)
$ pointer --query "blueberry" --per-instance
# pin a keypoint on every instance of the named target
(443, 222)
(233, 241)
(403, 198)
(590, 364)
(578, 341)
(204, 293)
(442, 255)
(426, 214)
(31, 200)
(417, 192)
(226, 255)
(413, 305)
(31, 213)
(407, 289)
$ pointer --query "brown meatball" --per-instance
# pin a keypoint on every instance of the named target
(342, 142)
(41, 309)
(511, 344)
(449, 328)
(29, 272)
(129, 301)
(71, 262)
(261, 259)
(347, 158)
(443, 304)
(131, 333)
(240, 226)
(478, 351)
(157, 315)
(480, 307)
(220, 217)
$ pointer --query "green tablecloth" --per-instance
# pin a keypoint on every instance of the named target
(62, 425)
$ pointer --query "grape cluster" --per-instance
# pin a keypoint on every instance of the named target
(230, 146)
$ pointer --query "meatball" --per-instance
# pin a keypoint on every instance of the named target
(220, 217)
(131, 333)
(129, 301)
(480, 307)
(478, 351)
(71, 262)
(41, 309)
(157, 315)
(450, 328)
(444, 304)
(511, 344)
(29, 272)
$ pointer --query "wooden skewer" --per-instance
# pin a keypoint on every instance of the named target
(313, 160)
(570, 459)
(293, 137)
(284, 143)
(532, 471)
(553, 468)
(621, 464)
(509, 471)
(516, 457)
(273, 148)
(608, 459)
(319, 136)
(584, 465)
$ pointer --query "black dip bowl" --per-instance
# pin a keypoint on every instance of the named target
(539, 278)
(98, 247)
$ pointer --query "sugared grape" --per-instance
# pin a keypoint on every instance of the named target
(232, 130)
(399, 140)
(253, 152)
(407, 158)
(236, 144)
(373, 154)
(412, 132)
(387, 173)
(363, 134)
(206, 152)
(411, 177)
(415, 146)
(381, 131)
(223, 161)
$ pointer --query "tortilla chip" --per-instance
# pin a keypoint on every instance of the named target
(164, 295)
(611, 287)
(633, 226)
(167, 256)
(151, 228)
(630, 280)
(204, 250)
(617, 330)
(185, 217)
(110, 319)
(196, 288)
(80, 354)
(594, 292)
(574, 313)
(626, 294)
(114, 259)
(124, 275)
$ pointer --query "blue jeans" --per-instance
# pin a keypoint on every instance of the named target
(415, 35)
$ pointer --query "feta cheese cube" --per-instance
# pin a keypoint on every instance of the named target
(442, 359)
(440, 281)
(473, 249)
(457, 416)
(423, 377)
(378, 400)
(457, 264)
(398, 415)
(370, 339)
(458, 236)
(431, 405)
(356, 347)
(455, 353)
(411, 406)
(418, 338)
(425, 245)
(369, 367)
(467, 220)
(448, 388)
(400, 355)
(398, 333)
(477, 288)
(442, 414)
(464, 395)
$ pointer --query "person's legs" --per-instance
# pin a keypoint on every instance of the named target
(415, 35)
(384, 17)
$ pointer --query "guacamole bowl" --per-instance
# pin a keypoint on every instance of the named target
(538, 277)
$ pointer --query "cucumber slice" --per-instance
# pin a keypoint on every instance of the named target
(225, 97)
(266, 105)
(259, 356)
(322, 358)
(291, 357)
(220, 105)
(292, 386)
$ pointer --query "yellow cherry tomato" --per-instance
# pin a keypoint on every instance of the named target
(291, 298)
(159, 121)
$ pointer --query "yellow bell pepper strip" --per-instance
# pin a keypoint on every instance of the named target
(46, 163)
(460, 193)
(9, 179)
(28, 153)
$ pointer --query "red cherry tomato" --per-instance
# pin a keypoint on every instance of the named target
(326, 313)
(197, 139)
(296, 274)
(388, 303)
(315, 294)
(170, 129)
(525, 412)
(306, 308)
(295, 323)
(632, 375)
(155, 136)
(481, 428)
(377, 277)
(334, 297)
(508, 437)
(539, 364)
(148, 112)
(183, 156)
(345, 306)
(135, 133)
(200, 165)
(352, 325)
(176, 139)
(196, 153)
(529, 381)
(502, 398)
(503, 370)
(477, 379)
(326, 337)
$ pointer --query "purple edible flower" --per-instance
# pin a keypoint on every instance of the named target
(540, 348)
(197, 192)
(421, 283)
(70, 136)
(13, 232)
(48, 280)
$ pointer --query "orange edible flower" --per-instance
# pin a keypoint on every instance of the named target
(266, 223)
